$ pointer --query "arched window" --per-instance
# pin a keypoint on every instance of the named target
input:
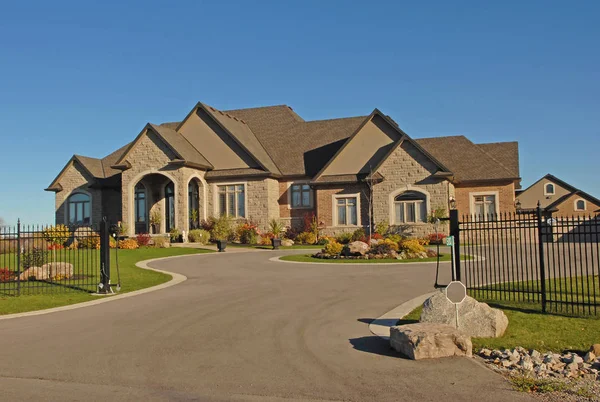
(410, 207)
(580, 205)
(193, 203)
(78, 209)
(549, 189)
(169, 206)
(140, 207)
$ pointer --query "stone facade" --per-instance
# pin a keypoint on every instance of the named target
(75, 179)
(408, 169)
(326, 211)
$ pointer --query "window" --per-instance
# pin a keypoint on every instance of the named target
(410, 207)
(580, 205)
(140, 210)
(79, 209)
(347, 213)
(549, 189)
(169, 206)
(484, 206)
(232, 200)
(193, 203)
(300, 195)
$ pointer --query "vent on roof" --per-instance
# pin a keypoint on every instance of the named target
(221, 112)
(212, 108)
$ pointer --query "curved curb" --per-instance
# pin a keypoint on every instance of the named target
(381, 326)
(175, 279)
(360, 264)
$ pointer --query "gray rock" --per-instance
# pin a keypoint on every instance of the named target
(572, 367)
(526, 364)
(358, 248)
(485, 352)
(59, 270)
(589, 357)
(534, 353)
(39, 273)
(474, 318)
(429, 340)
(506, 363)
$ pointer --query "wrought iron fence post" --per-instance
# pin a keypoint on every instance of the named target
(455, 231)
(540, 225)
(18, 257)
(104, 286)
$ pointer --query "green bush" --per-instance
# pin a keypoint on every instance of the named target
(199, 236)
(35, 258)
(396, 238)
(306, 238)
(333, 248)
(222, 228)
(344, 238)
(412, 246)
(175, 235)
(382, 228)
(359, 234)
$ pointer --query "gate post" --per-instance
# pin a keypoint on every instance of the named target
(19, 251)
(455, 232)
(540, 226)
(104, 285)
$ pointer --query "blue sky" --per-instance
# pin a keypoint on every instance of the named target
(85, 77)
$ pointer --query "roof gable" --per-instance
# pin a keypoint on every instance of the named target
(369, 146)
(571, 197)
(83, 162)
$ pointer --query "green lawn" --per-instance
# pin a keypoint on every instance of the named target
(310, 258)
(533, 330)
(262, 247)
(132, 278)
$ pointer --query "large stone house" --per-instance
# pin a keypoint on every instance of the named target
(268, 162)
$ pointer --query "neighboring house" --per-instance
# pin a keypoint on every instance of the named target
(558, 197)
(267, 162)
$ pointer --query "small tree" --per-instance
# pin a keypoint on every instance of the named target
(194, 219)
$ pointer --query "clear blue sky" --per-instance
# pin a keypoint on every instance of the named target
(84, 78)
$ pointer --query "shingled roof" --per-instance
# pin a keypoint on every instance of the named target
(472, 162)
(286, 145)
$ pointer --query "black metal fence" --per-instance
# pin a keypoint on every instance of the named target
(531, 257)
(48, 259)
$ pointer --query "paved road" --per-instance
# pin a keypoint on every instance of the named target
(241, 328)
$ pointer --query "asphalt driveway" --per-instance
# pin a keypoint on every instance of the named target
(240, 328)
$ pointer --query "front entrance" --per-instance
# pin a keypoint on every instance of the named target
(154, 204)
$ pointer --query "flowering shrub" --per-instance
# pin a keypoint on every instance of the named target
(333, 248)
(143, 239)
(396, 238)
(266, 238)
(381, 228)
(384, 247)
(6, 275)
(56, 235)
(128, 244)
(377, 236)
(423, 241)
(436, 238)
(306, 238)
(199, 236)
(247, 233)
(323, 240)
(412, 246)
(207, 224)
(90, 242)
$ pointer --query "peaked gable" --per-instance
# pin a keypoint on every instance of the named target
(372, 143)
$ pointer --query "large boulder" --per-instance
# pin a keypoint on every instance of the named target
(429, 341)
(357, 248)
(474, 318)
(287, 242)
(59, 270)
(39, 273)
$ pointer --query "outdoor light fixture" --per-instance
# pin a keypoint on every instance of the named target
(452, 201)
(518, 205)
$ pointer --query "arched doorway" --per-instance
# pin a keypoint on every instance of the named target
(169, 206)
(140, 214)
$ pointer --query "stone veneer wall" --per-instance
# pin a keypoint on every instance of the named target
(407, 168)
(76, 178)
(261, 199)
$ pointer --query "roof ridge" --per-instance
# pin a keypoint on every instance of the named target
(335, 118)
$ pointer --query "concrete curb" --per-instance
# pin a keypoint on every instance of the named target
(381, 326)
(175, 279)
(360, 264)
